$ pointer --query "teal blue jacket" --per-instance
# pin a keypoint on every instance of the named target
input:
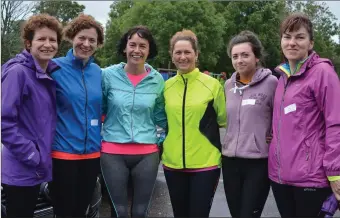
(132, 113)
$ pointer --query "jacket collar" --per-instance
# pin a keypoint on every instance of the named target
(77, 61)
(191, 76)
(302, 66)
(34, 65)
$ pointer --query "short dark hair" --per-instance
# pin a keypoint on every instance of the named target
(144, 33)
(80, 23)
(247, 36)
(186, 35)
(37, 22)
(295, 21)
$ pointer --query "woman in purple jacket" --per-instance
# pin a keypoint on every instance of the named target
(28, 115)
(250, 93)
(304, 155)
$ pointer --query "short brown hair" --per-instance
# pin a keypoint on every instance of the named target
(186, 35)
(37, 22)
(83, 22)
(294, 22)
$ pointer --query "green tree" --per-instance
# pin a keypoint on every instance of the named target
(263, 18)
(164, 19)
(13, 14)
(64, 11)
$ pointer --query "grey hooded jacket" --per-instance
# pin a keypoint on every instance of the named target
(249, 115)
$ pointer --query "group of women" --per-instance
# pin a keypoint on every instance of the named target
(283, 134)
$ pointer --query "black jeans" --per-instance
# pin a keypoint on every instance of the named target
(192, 193)
(73, 185)
(142, 169)
(21, 200)
(294, 201)
(246, 185)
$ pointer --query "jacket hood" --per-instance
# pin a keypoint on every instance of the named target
(26, 59)
(259, 75)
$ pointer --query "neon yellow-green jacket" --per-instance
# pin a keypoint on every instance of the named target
(195, 108)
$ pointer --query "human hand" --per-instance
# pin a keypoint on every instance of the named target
(335, 185)
(269, 139)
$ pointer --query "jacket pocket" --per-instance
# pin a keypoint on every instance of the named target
(309, 154)
(247, 144)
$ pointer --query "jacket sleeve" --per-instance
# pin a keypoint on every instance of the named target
(159, 110)
(220, 106)
(13, 91)
(327, 91)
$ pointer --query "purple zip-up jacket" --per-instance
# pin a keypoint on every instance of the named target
(305, 148)
(249, 115)
(28, 119)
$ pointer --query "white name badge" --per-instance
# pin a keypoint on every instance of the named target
(248, 102)
(94, 122)
(290, 108)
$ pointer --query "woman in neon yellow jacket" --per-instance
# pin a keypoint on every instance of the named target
(195, 108)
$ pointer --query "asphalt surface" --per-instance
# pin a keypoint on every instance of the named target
(160, 205)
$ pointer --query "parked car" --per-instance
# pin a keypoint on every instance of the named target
(44, 204)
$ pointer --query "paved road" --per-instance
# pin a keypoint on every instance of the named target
(160, 205)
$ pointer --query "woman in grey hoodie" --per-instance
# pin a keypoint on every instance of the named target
(249, 106)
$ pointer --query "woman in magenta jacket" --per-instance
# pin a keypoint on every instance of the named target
(304, 155)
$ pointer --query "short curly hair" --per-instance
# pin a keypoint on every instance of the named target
(80, 23)
(144, 33)
(186, 35)
(37, 22)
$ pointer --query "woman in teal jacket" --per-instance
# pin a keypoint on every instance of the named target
(134, 104)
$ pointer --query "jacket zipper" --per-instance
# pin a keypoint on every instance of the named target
(183, 120)
(133, 103)
(239, 123)
(279, 128)
(86, 122)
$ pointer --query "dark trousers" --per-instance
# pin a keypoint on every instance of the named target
(246, 185)
(142, 169)
(191, 194)
(294, 201)
(20, 200)
(73, 185)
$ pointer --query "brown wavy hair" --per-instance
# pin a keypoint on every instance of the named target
(80, 23)
(37, 22)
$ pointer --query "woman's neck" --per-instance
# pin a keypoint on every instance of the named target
(186, 71)
(135, 69)
(292, 66)
(247, 77)
(43, 65)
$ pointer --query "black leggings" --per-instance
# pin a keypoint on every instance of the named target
(192, 193)
(20, 200)
(73, 185)
(117, 169)
(246, 185)
(299, 201)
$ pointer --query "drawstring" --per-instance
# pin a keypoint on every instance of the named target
(238, 88)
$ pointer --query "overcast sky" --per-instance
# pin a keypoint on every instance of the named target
(100, 9)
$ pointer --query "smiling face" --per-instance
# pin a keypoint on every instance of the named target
(184, 56)
(85, 43)
(295, 45)
(243, 58)
(137, 50)
(44, 45)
